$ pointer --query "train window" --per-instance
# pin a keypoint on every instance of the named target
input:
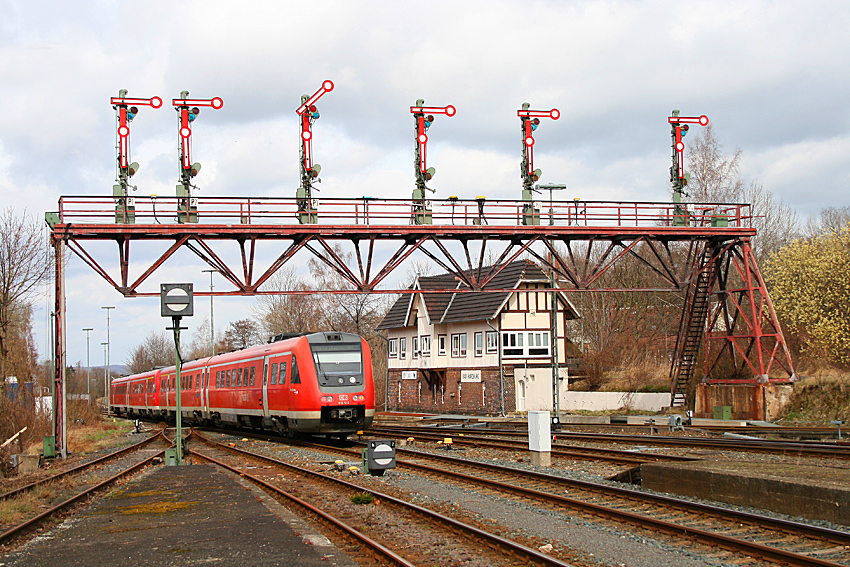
(239, 378)
(228, 379)
(282, 376)
(253, 371)
(217, 377)
(295, 378)
(274, 374)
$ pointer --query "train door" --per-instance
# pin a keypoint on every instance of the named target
(205, 395)
(267, 369)
(276, 399)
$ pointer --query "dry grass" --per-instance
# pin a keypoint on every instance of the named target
(24, 506)
(822, 395)
(638, 378)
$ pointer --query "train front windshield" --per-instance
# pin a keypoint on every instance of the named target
(339, 365)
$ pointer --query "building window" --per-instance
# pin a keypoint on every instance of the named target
(402, 347)
(525, 344)
(425, 345)
(414, 348)
(459, 345)
(538, 343)
(479, 344)
(393, 348)
(492, 342)
(441, 345)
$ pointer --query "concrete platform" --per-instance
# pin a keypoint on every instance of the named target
(187, 515)
(820, 493)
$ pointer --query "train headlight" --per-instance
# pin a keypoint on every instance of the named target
(352, 379)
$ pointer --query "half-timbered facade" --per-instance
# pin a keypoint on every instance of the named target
(488, 353)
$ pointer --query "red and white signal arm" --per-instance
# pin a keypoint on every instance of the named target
(121, 103)
(183, 105)
(528, 137)
(305, 111)
(419, 112)
(679, 123)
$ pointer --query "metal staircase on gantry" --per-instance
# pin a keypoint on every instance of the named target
(692, 327)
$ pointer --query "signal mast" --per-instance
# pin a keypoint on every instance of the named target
(530, 120)
(423, 118)
(188, 108)
(679, 126)
(125, 206)
(307, 207)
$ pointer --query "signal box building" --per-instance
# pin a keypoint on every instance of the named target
(446, 350)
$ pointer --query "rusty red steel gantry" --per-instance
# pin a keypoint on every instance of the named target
(706, 257)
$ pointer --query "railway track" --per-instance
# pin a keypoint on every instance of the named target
(745, 537)
(780, 447)
(472, 439)
(423, 536)
(126, 460)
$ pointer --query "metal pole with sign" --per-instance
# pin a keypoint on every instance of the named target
(176, 301)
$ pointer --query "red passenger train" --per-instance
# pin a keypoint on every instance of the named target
(317, 384)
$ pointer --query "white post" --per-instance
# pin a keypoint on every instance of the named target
(540, 438)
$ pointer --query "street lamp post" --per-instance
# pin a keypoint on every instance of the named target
(108, 379)
(212, 320)
(105, 381)
(556, 386)
(88, 366)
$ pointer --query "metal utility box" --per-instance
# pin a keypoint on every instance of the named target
(719, 221)
(49, 447)
(171, 457)
(723, 412)
(539, 431)
(378, 456)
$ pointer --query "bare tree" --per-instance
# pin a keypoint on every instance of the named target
(777, 223)
(156, 350)
(831, 219)
(715, 176)
(356, 313)
(287, 313)
(242, 334)
(24, 266)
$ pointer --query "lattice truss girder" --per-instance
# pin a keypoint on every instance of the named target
(742, 326)
(366, 263)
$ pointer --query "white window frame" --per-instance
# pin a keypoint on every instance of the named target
(414, 347)
(392, 348)
(492, 342)
(479, 343)
(425, 345)
(441, 344)
(402, 347)
(515, 344)
(458, 345)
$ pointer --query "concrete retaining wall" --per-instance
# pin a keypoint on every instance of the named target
(818, 493)
(599, 401)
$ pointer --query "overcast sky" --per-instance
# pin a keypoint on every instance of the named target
(771, 76)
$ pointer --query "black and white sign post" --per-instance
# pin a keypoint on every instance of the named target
(176, 302)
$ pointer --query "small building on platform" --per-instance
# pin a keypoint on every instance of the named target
(485, 352)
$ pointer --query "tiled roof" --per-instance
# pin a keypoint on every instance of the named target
(458, 307)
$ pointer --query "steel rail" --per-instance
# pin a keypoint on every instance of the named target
(500, 542)
(757, 445)
(118, 453)
(703, 536)
(676, 530)
(589, 454)
(384, 552)
(21, 528)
